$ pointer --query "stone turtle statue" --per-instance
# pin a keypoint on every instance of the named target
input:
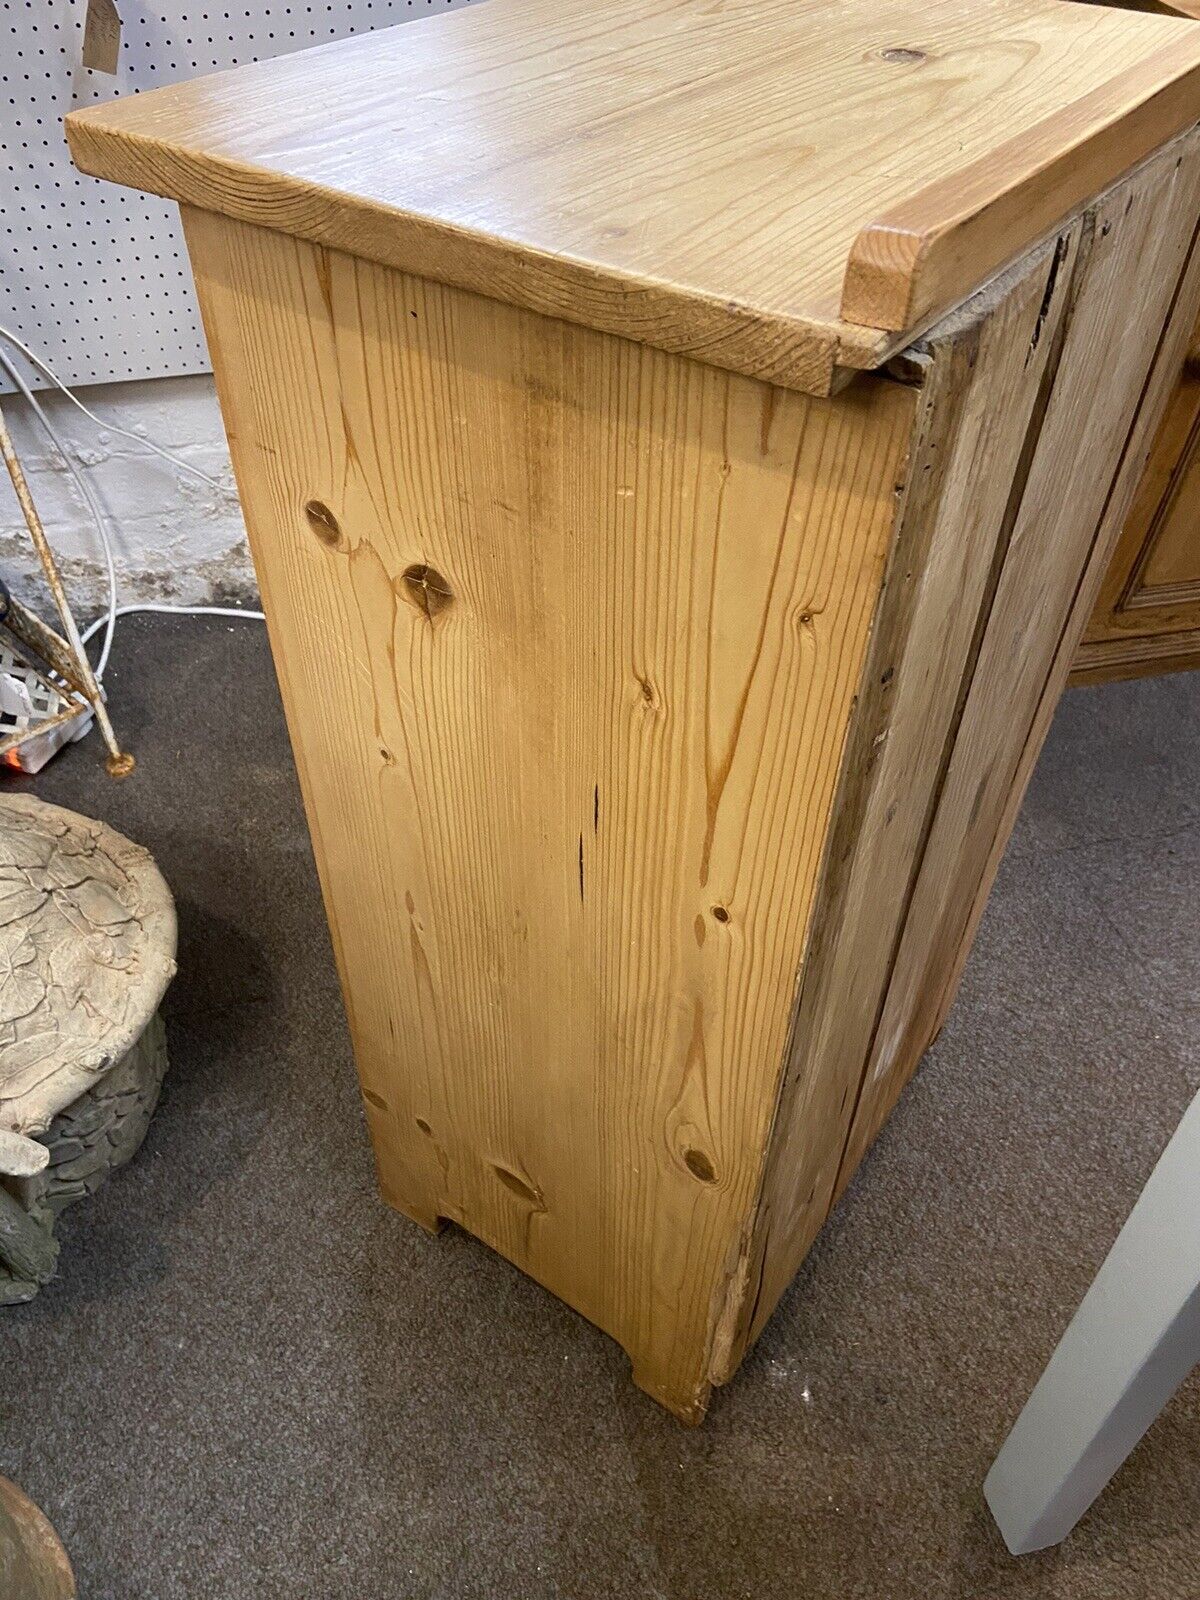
(87, 949)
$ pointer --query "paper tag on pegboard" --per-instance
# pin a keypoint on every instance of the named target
(101, 36)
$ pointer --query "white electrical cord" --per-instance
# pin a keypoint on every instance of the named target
(89, 499)
(93, 628)
(109, 427)
(108, 620)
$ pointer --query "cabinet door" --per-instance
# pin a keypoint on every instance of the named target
(1147, 618)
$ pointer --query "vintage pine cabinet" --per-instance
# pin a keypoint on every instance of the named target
(680, 446)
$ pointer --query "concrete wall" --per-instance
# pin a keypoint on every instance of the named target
(174, 537)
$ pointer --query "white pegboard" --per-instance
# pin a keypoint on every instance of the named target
(93, 276)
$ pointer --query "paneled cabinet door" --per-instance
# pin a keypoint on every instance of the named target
(1147, 618)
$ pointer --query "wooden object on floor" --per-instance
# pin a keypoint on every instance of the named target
(33, 1563)
(1134, 1339)
(659, 724)
(1147, 617)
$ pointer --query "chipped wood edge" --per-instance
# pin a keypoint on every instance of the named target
(948, 370)
(941, 922)
(944, 389)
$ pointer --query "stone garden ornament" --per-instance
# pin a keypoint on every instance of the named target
(87, 949)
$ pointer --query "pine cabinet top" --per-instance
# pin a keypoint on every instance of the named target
(784, 188)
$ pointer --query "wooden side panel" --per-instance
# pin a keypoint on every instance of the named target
(982, 374)
(1031, 396)
(1075, 495)
(1161, 381)
(568, 632)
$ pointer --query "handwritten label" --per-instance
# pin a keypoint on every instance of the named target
(101, 36)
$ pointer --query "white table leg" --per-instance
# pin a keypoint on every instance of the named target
(1129, 1346)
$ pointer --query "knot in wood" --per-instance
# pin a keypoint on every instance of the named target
(324, 524)
(426, 589)
(700, 1166)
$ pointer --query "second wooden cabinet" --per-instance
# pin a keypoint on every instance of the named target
(1147, 618)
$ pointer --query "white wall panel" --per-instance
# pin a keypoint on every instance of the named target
(93, 276)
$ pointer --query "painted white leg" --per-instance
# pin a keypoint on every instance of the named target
(1130, 1345)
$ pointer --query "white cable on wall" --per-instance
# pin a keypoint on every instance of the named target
(109, 427)
(85, 490)
(108, 619)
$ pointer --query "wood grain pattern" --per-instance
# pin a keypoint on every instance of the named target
(568, 632)
(623, 689)
(33, 1563)
(1139, 656)
(933, 247)
(1165, 8)
(659, 726)
(691, 175)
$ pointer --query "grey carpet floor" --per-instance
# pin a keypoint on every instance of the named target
(253, 1379)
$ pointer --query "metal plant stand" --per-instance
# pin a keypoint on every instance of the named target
(50, 673)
